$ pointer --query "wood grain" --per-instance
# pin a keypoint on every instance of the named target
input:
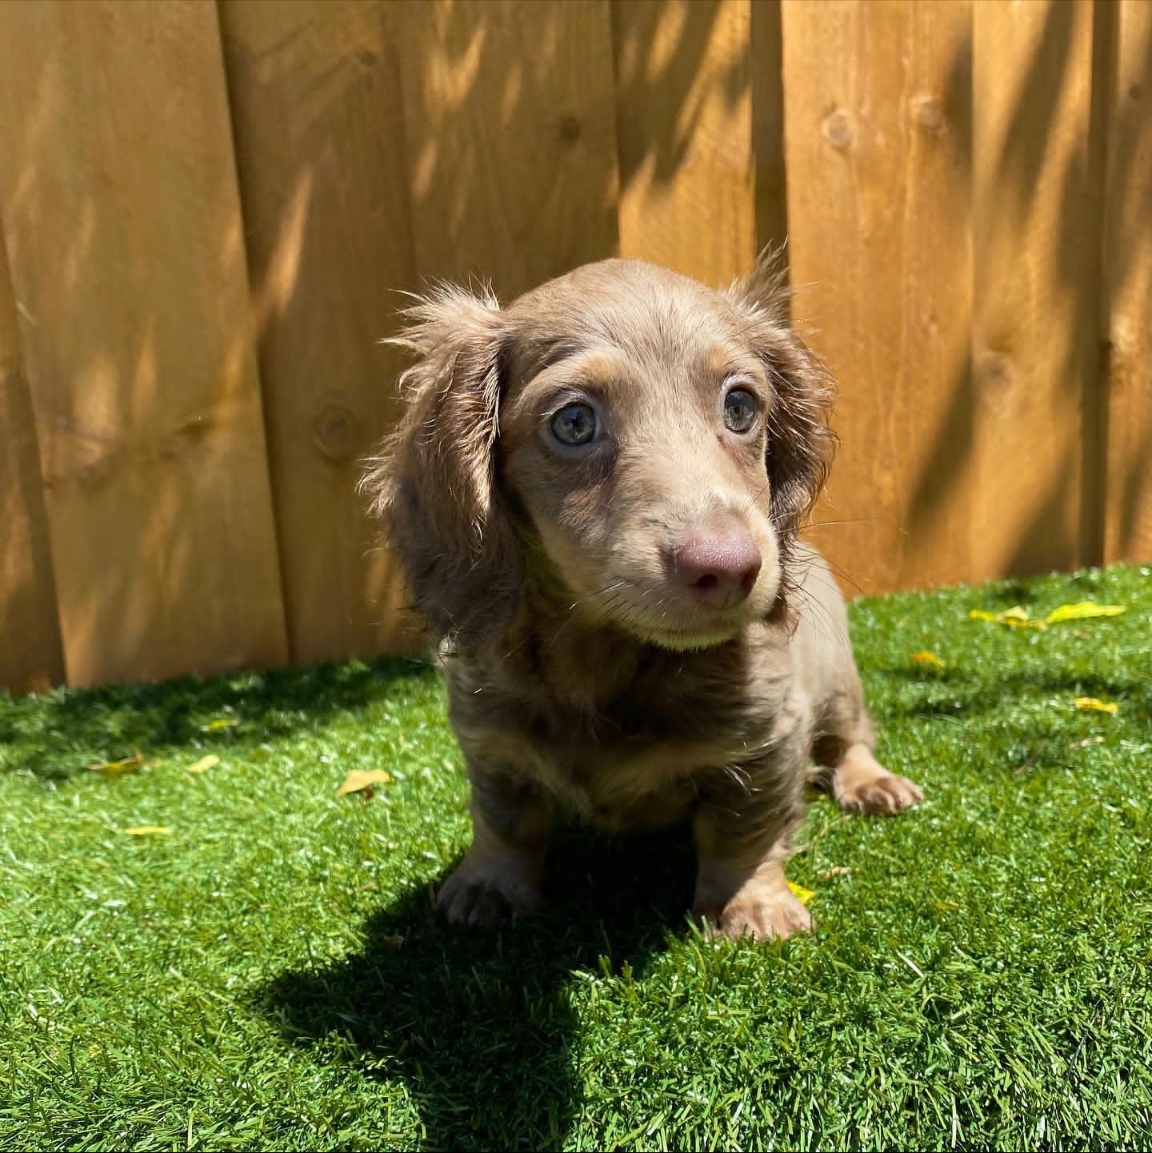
(30, 655)
(318, 119)
(120, 209)
(511, 138)
(1128, 287)
(878, 161)
(684, 114)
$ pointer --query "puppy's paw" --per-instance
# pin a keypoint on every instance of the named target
(486, 894)
(861, 784)
(883, 795)
(761, 915)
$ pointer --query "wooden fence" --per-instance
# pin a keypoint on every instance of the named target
(208, 210)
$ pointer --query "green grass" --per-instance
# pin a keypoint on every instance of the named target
(979, 978)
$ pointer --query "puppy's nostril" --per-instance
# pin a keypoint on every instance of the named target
(708, 581)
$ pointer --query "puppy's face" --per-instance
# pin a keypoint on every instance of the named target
(633, 433)
(636, 446)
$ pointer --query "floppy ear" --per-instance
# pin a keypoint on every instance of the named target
(800, 443)
(434, 483)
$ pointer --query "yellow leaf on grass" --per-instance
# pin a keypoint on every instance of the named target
(801, 894)
(926, 658)
(216, 725)
(204, 764)
(115, 768)
(363, 781)
(1083, 611)
(1016, 617)
(1092, 705)
(148, 831)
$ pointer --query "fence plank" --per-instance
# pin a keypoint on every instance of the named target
(1128, 285)
(1036, 222)
(878, 158)
(30, 656)
(767, 84)
(318, 121)
(119, 203)
(511, 138)
(684, 110)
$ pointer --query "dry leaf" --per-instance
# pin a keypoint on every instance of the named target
(1083, 611)
(1092, 705)
(801, 894)
(836, 871)
(1016, 617)
(926, 658)
(221, 723)
(1086, 742)
(148, 831)
(115, 768)
(363, 781)
(204, 764)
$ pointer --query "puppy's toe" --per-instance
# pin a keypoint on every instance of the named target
(485, 897)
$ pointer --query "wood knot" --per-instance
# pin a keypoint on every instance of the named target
(334, 432)
(570, 129)
(995, 370)
(838, 129)
(928, 114)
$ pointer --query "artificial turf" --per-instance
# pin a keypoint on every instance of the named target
(269, 974)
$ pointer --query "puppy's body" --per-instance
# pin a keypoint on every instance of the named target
(595, 498)
(638, 747)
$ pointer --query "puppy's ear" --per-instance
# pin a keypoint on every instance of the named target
(434, 483)
(800, 443)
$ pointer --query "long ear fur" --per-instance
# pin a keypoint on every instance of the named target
(800, 443)
(434, 482)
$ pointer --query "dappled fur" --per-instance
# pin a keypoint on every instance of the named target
(583, 671)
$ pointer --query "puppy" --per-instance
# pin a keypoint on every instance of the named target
(595, 495)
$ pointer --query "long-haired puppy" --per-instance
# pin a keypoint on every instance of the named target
(594, 496)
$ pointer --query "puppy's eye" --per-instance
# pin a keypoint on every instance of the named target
(739, 410)
(574, 424)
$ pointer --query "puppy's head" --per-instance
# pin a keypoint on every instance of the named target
(621, 441)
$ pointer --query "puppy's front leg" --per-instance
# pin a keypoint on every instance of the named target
(502, 873)
(743, 831)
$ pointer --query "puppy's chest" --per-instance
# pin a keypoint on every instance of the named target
(641, 759)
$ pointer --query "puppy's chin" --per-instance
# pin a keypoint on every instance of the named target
(690, 642)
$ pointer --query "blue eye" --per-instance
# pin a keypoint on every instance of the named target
(574, 424)
(739, 410)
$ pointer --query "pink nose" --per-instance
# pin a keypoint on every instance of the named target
(719, 570)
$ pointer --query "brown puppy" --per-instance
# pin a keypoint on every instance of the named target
(595, 495)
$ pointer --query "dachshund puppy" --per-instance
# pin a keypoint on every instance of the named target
(595, 495)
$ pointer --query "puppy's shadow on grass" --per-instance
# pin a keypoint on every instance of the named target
(482, 1025)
